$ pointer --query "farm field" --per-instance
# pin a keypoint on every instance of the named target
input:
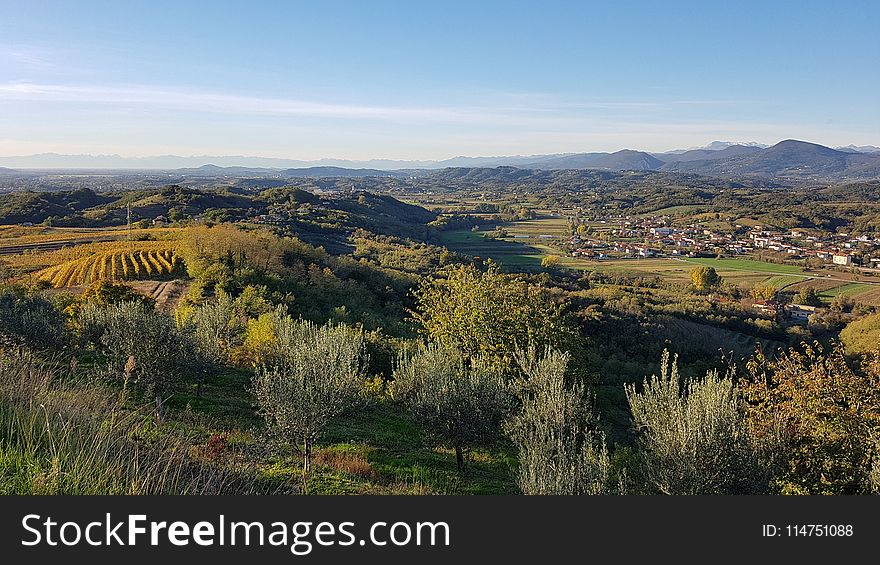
(506, 252)
(527, 253)
(124, 263)
(746, 265)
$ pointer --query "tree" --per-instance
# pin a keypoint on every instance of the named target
(693, 435)
(862, 335)
(828, 415)
(310, 375)
(30, 320)
(550, 261)
(146, 348)
(705, 278)
(560, 451)
(489, 313)
(460, 400)
(809, 297)
(763, 292)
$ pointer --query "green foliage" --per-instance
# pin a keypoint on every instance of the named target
(309, 375)
(826, 414)
(105, 292)
(145, 347)
(460, 400)
(30, 320)
(809, 297)
(862, 335)
(489, 313)
(693, 435)
(560, 451)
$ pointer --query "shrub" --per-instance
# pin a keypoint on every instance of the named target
(560, 452)
(693, 435)
(489, 313)
(828, 415)
(30, 320)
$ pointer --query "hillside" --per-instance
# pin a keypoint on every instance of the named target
(322, 220)
(708, 154)
(787, 159)
(37, 207)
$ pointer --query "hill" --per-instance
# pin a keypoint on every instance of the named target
(339, 172)
(625, 160)
(789, 159)
(709, 154)
(37, 207)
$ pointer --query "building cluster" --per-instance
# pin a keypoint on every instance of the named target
(655, 236)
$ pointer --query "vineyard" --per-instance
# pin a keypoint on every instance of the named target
(116, 265)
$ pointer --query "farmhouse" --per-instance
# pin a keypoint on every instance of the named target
(840, 259)
(800, 312)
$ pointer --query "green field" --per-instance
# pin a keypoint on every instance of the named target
(782, 281)
(507, 253)
(746, 273)
(746, 265)
(847, 289)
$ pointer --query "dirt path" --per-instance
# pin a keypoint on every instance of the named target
(167, 294)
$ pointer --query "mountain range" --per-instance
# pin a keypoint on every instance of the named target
(790, 159)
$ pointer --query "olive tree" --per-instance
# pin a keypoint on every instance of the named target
(216, 327)
(693, 435)
(460, 400)
(146, 348)
(30, 320)
(310, 376)
(560, 452)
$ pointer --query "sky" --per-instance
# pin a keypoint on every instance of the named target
(432, 80)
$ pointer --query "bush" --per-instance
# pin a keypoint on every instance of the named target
(489, 313)
(693, 436)
(30, 320)
(560, 452)
(826, 413)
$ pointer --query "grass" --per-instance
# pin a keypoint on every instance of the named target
(83, 438)
(60, 439)
(846, 289)
(746, 265)
(781, 281)
(508, 253)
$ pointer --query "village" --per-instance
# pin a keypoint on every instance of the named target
(626, 236)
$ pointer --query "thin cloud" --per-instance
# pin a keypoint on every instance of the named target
(536, 112)
(208, 101)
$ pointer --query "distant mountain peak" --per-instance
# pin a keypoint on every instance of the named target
(859, 148)
(719, 145)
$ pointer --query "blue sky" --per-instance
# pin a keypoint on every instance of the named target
(431, 80)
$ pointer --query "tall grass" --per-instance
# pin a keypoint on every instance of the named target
(61, 439)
